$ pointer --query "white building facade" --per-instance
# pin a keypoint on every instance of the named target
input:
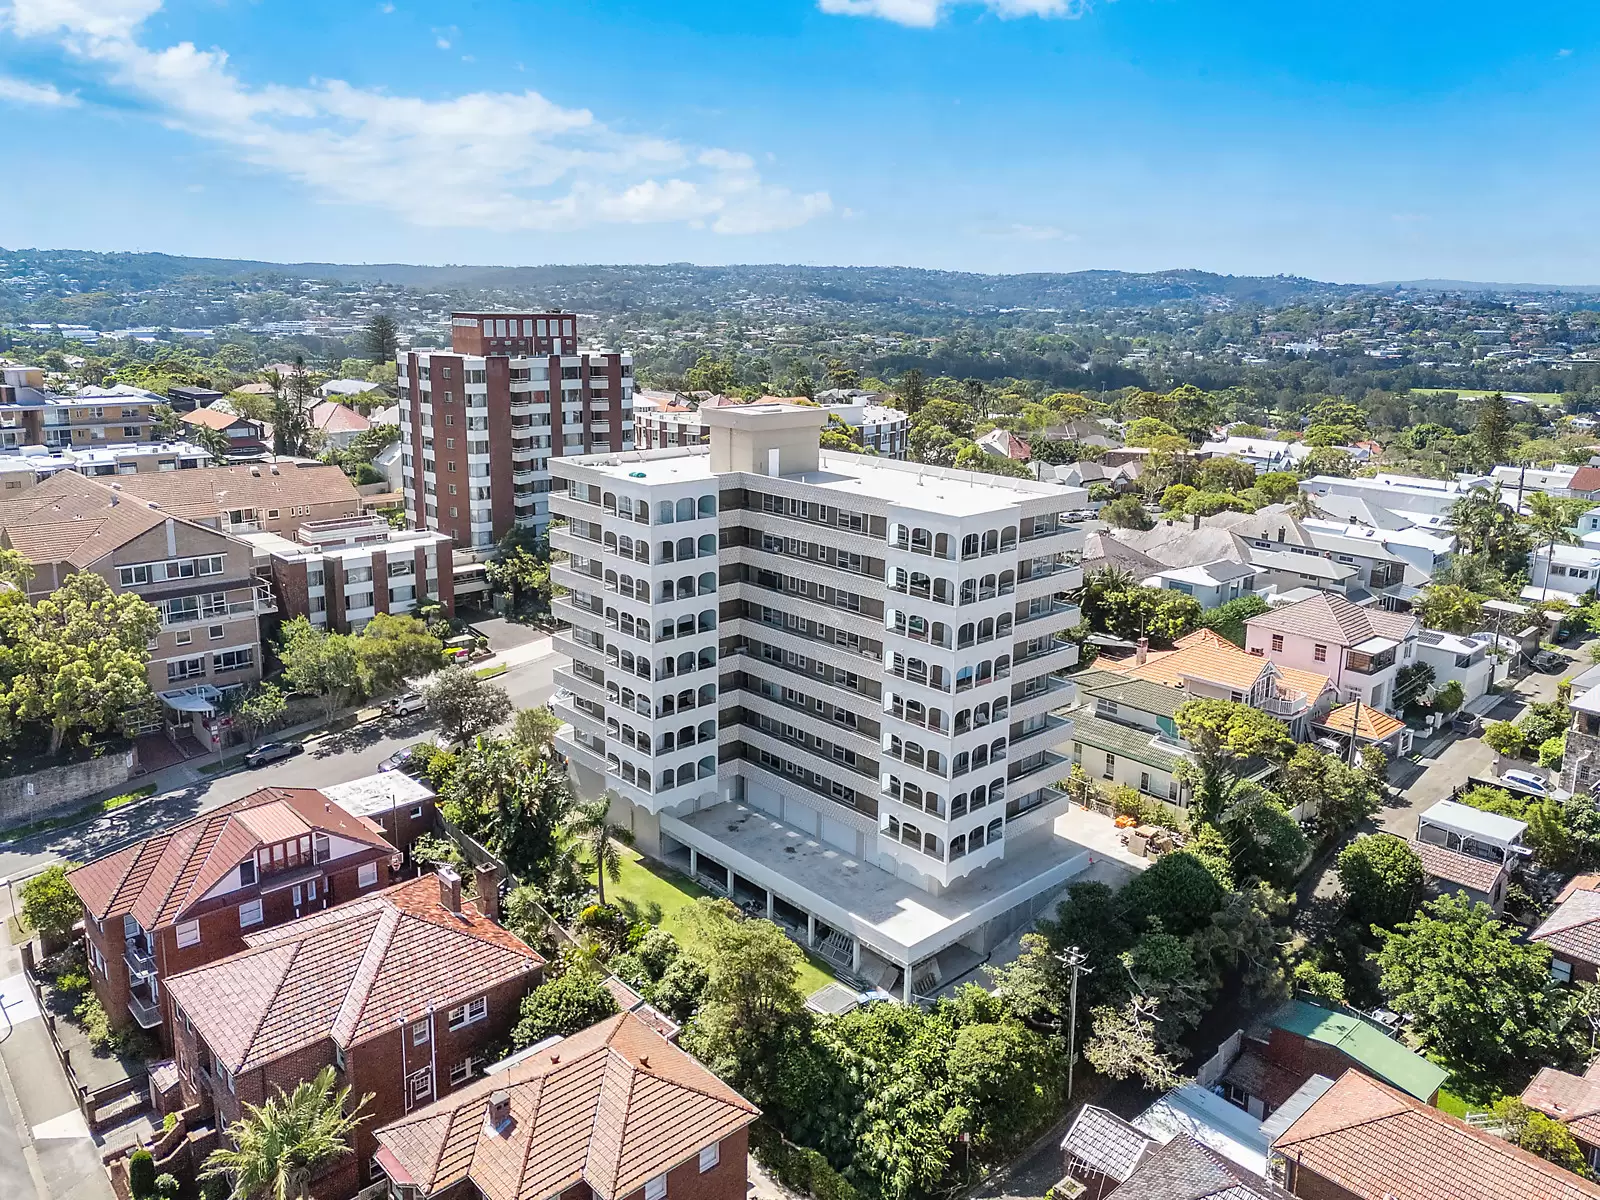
(827, 679)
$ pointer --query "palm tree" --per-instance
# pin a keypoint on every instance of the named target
(1478, 518)
(281, 1146)
(1547, 520)
(1304, 505)
(590, 826)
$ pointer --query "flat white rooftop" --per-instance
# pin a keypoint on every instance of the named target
(1464, 819)
(888, 913)
(378, 793)
(908, 485)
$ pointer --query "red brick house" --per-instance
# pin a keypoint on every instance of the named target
(612, 1113)
(1364, 1140)
(1572, 932)
(190, 896)
(407, 994)
(1574, 1100)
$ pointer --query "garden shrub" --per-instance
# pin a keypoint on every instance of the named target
(142, 1175)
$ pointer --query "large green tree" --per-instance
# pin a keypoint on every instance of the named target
(393, 649)
(319, 663)
(563, 1006)
(1228, 741)
(464, 704)
(381, 339)
(1491, 434)
(1477, 994)
(1382, 880)
(74, 660)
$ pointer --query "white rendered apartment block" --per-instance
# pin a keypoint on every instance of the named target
(827, 683)
(480, 422)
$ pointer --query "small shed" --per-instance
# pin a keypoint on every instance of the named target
(1468, 830)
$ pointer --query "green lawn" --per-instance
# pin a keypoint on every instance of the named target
(651, 893)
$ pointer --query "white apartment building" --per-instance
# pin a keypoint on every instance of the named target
(828, 683)
(480, 422)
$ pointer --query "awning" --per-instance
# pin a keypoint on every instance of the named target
(187, 702)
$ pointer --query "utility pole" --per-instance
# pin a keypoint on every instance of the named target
(1073, 959)
(1355, 730)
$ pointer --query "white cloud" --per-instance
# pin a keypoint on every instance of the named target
(45, 95)
(490, 160)
(926, 13)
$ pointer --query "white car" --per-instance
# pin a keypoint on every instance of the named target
(1528, 782)
(406, 704)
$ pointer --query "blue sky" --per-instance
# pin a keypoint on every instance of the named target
(1358, 141)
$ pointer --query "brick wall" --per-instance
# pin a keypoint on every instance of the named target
(27, 798)
(1308, 1185)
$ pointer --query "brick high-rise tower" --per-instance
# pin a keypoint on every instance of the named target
(480, 422)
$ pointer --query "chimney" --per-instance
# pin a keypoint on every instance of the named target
(1143, 651)
(488, 882)
(450, 889)
(497, 1120)
(1196, 521)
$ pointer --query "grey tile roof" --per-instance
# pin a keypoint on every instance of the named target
(1183, 1169)
(1104, 1143)
(1122, 741)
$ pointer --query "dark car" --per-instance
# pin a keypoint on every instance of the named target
(272, 752)
(406, 759)
(1549, 662)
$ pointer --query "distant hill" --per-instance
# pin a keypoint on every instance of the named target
(899, 286)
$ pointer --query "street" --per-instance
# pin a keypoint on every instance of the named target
(46, 1150)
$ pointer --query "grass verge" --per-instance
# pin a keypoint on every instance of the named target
(648, 892)
(492, 672)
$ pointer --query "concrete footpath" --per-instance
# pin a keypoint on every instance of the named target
(46, 1150)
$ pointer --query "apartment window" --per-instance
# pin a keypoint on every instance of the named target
(183, 637)
(416, 813)
(420, 1085)
(234, 660)
(1111, 766)
(469, 1013)
(186, 668)
(1319, 652)
(419, 1033)
(367, 875)
(249, 914)
(322, 849)
(1277, 641)
(188, 933)
(462, 1071)
(133, 576)
(247, 872)
(710, 1156)
(1144, 781)
(656, 1189)
(214, 632)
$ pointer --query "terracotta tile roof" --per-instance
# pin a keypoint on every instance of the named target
(1377, 1143)
(1574, 1100)
(1184, 1169)
(201, 495)
(1336, 620)
(1200, 655)
(613, 1107)
(1585, 479)
(72, 520)
(1312, 683)
(1375, 724)
(347, 974)
(1579, 883)
(1573, 929)
(216, 418)
(329, 417)
(158, 879)
(1452, 866)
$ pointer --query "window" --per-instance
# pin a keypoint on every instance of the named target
(179, 669)
(183, 637)
(656, 1189)
(419, 1033)
(249, 914)
(214, 632)
(416, 813)
(247, 872)
(1560, 970)
(710, 1157)
(462, 1071)
(322, 848)
(133, 576)
(1319, 652)
(420, 1085)
(367, 875)
(1111, 766)
(188, 933)
(234, 660)
(1277, 641)
(469, 1013)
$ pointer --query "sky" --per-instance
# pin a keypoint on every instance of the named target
(1355, 142)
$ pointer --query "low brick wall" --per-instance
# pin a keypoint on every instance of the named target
(58, 790)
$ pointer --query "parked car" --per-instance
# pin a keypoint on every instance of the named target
(1549, 662)
(272, 752)
(405, 704)
(1527, 781)
(404, 759)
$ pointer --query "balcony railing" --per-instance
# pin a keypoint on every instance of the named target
(139, 959)
(144, 1008)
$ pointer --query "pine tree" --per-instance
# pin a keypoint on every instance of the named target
(1493, 431)
(381, 339)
